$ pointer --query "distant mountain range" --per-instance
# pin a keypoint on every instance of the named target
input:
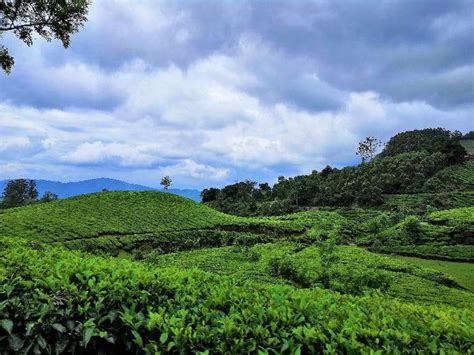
(69, 189)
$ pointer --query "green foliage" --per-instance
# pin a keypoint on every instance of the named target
(115, 221)
(353, 271)
(419, 161)
(426, 202)
(431, 140)
(48, 19)
(283, 266)
(468, 136)
(61, 301)
(468, 144)
(362, 185)
(19, 192)
(445, 234)
(458, 177)
(48, 197)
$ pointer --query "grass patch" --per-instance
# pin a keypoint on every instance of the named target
(463, 273)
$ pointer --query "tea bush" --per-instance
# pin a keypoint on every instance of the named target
(57, 301)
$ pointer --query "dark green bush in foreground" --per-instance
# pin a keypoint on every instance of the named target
(55, 300)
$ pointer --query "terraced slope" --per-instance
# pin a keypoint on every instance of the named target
(115, 221)
(459, 177)
(354, 271)
(447, 234)
(423, 202)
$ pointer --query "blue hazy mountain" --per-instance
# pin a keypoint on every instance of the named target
(69, 189)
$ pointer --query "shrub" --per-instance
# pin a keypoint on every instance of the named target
(284, 267)
(58, 301)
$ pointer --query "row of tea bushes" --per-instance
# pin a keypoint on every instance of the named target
(53, 300)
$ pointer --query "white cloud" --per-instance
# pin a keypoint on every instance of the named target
(128, 155)
(14, 142)
(190, 168)
(208, 121)
(12, 168)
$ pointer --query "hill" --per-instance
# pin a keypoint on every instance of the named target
(70, 189)
(269, 282)
(133, 214)
(112, 221)
(126, 221)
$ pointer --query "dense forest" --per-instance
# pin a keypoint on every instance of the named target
(409, 163)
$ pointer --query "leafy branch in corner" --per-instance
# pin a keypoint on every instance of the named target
(51, 19)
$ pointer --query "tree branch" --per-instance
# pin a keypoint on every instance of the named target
(34, 24)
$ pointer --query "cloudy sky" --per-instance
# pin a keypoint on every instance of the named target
(210, 92)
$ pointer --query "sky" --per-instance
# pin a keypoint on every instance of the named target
(213, 92)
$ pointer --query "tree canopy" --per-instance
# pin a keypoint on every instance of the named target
(19, 192)
(431, 140)
(368, 147)
(408, 164)
(166, 182)
(51, 19)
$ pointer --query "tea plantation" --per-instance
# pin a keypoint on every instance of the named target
(150, 272)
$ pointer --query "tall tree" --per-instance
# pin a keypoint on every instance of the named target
(166, 182)
(19, 192)
(368, 147)
(51, 19)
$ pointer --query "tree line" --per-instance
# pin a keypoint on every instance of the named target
(21, 192)
(407, 164)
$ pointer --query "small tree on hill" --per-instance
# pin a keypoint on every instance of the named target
(367, 148)
(49, 196)
(19, 192)
(166, 182)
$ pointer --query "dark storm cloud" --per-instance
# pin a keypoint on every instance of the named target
(404, 50)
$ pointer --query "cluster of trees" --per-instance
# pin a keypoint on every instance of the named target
(431, 140)
(23, 192)
(407, 162)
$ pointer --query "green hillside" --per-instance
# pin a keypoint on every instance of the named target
(459, 177)
(108, 213)
(63, 301)
(461, 272)
(354, 271)
(115, 221)
(189, 277)
(447, 234)
(423, 202)
(126, 221)
(468, 144)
